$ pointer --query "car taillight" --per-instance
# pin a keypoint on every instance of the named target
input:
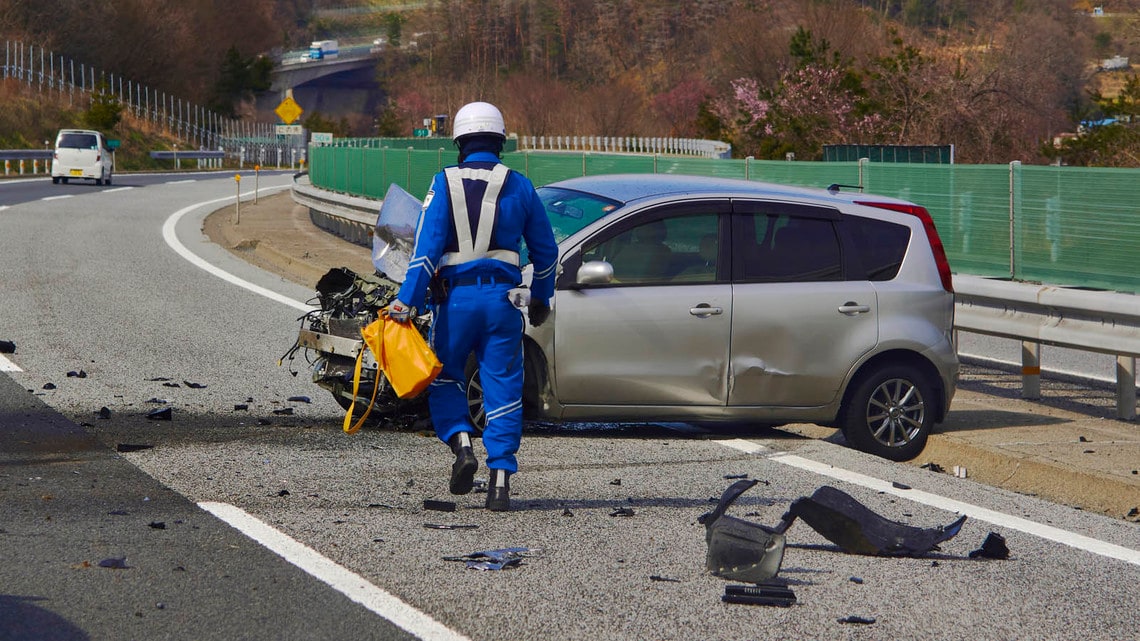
(931, 234)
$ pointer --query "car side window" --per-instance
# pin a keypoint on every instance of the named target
(662, 251)
(783, 248)
(880, 246)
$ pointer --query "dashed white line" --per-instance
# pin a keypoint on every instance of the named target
(111, 191)
(341, 579)
(58, 197)
(181, 182)
(8, 366)
(3, 207)
(1072, 539)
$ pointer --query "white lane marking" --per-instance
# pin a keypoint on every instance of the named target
(58, 197)
(111, 191)
(3, 207)
(1072, 539)
(172, 240)
(341, 579)
(181, 182)
(8, 366)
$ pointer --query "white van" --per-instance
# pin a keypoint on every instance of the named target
(81, 153)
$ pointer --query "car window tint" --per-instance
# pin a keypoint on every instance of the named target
(881, 246)
(78, 141)
(789, 248)
(661, 251)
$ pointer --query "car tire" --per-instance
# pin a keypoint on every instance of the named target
(891, 413)
(55, 180)
(475, 411)
(107, 180)
(64, 179)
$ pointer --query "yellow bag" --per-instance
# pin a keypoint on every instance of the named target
(403, 355)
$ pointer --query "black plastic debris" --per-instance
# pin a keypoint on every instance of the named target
(615, 482)
(439, 506)
(7, 347)
(663, 579)
(856, 580)
(993, 547)
(300, 399)
(284, 411)
(160, 414)
(899, 486)
(115, 564)
(760, 594)
(241, 407)
(450, 526)
(77, 374)
(737, 549)
(158, 378)
(283, 493)
(933, 467)
(49, 386)
(132, 447)
(501, 559)
(733, 477)
(193, 385)
(1083, 439)
(157, 525)
(623, 511)
(857, 530)
(857, 619)
(567, 512)
(264, 421)
(382, 505)
(104, 412)
(171, 385)
(157, 401)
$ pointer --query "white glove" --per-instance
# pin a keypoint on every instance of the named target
(399, 312)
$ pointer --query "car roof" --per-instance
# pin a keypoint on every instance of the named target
(626, 188)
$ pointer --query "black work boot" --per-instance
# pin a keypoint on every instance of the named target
(463, 470)
(499, 491)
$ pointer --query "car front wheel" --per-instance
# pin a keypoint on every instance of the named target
(891, 413)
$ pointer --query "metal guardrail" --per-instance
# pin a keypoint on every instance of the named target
(1096, 321)
(39, 157)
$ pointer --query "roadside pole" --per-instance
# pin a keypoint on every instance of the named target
(237, 206)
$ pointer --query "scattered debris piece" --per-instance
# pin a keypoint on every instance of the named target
(171, 385)
(732, 477)
(157, 401)
(857, 619)
(760, 594)
(934, 564)
(480, 486)
(49, 386)
(737, 549)
(933, 467)
(500, 559)
(300, 399)
(115, 564)
(241, 407)
(960, 471)
(104, 412)
(993, 547)
(283, 493)
(77, 374)
(450, 526)
(900, 486)
(264, 421)
(856, 529)
(157, 525)
(1082, 439)
(1090, 451)
(664, 579)
(7, 347)
(567, 512)
(439, 506)
(284, 411)
(193, 385)
(615, 482)
(160, 414)
(858, 580)
(623, 511)
(1133, 512)
(158, 378)
(383, 505)
(132, 447)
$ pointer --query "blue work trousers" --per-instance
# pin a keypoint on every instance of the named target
(479, 318)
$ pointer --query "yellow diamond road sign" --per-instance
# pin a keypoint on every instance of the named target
(289, 111)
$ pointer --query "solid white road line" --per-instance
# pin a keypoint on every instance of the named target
(1072, 539)
(348, 583)
(180, 182)
(57, 197)
(8, 366)
(111, 191)
(175, 244)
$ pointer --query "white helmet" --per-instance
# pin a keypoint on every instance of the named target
(478, 118)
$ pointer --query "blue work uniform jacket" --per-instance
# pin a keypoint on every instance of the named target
(519, 215)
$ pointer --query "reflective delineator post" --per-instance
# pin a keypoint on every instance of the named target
(256, 181)
(237, 206)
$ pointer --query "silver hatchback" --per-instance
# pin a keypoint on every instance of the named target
(684, 298)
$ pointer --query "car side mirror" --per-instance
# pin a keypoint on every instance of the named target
(595, 272)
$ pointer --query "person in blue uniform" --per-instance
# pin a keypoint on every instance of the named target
(468, 238)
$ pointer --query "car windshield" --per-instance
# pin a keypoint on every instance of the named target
(78, 141)
(570, 211)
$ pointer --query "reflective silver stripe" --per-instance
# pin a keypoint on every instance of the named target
(478, 247)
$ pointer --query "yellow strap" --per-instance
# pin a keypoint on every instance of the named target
(349, 427)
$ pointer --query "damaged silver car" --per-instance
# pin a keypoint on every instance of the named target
(683, 298)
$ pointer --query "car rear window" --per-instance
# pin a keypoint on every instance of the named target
(78, 141)
(881, 246)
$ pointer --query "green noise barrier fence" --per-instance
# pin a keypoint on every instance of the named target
(1068, 226)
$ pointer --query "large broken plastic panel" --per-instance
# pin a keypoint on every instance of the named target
(856, 529)
(395, 233)
(737, 549)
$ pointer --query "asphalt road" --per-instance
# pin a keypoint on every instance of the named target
(95, 284)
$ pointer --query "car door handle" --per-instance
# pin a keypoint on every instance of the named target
(704, 309)
(851, 308)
